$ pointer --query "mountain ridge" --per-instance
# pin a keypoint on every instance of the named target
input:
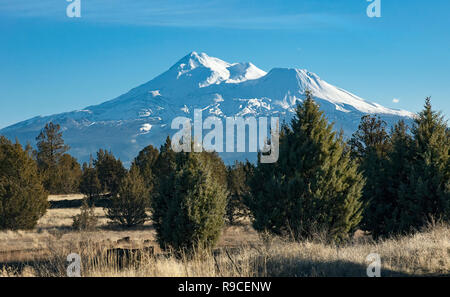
(143, 115)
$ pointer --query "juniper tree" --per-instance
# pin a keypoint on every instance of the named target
(217, 166)
(370, 145)
(23, 199)
(128, 206)
(90, 184)
(425, 195)
(110, 171)
(86, 220)
(146, 162)
(238, 176)
(69, 175)
(165, 168)
(189, 206)
(314, 186)
(396, 174)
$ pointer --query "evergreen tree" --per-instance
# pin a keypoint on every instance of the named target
(238, 177)
(370, 145)
(146, 163)
(313, 187)
(50, 150)
(165, 169)
(218, 167)
(166, 162)
(69, 175)
(413, 183)
(371, 137)
(192, 214)
(23, 199)
(128, 207)
(110, 171)
(425, 195)
(398, 168)
(51, 147)
(86, 220)
(90, 184)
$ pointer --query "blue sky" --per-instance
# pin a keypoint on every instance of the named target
(50, 63)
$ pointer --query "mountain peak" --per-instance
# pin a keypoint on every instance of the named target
(195, 59)
(143, 115)
(206, 70)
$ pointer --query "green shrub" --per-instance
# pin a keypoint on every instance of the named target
(191, 215)
(128, 207)
(86, 220)
(23, 199)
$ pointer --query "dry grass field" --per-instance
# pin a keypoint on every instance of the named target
(241, 252)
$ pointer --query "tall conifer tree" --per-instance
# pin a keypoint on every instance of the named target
(370, 145)
(313, 187)
(425, 195)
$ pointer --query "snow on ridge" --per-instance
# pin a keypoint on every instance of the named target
(240, 72)
(155, 93)
(307, 80)
(145, 128)
(198, 81)
(221, 71)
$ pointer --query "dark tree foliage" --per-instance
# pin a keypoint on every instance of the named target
(128, 207)
(60, 171)
(165, 168)
(23, 199)
(188, 207)
(110, 171)
(162, 195)
(146, 163)
(217, 167)
(69, 173)
(238, 176)
(90, 184)
(50, 146)
(314, 186)
(407, 173)
(396, 175)
(425, 193)
(370, 145)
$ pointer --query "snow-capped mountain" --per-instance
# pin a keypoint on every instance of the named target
(143, 116)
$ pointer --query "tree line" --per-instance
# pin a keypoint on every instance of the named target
(384, 182)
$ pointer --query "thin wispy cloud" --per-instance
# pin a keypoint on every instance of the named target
(173, 13)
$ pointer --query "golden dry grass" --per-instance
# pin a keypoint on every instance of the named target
(43, 252)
